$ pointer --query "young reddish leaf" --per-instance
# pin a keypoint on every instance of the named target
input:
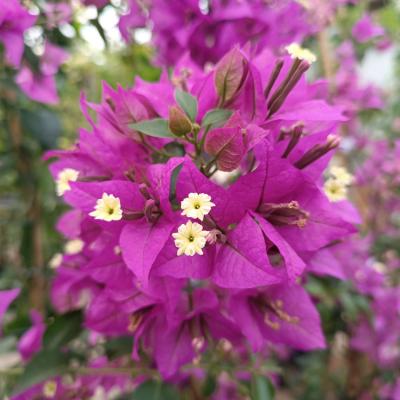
(229, 74)
(227, 144)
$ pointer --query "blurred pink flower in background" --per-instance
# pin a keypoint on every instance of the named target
(14, 20)
(41, 85)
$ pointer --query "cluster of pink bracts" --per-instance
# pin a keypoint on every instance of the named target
(201, 203)
(211, 244)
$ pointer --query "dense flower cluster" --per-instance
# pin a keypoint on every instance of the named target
(198, 206)
(376, 332)
(379, 336)
(202, 204)
(208, 29)
(36, 74)
(98, 385)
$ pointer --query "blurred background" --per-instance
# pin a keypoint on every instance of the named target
(41, 111)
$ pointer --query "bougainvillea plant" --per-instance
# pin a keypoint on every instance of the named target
(197, 204)
(206, 213)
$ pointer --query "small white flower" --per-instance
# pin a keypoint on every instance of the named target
(64, 177)
(341, 174)
(190, 239)
(296, 51)
(305, 3)
(50, 389)
(335, 190)
(197, 205)
(108, 208)
(55, 261)
(74, 246)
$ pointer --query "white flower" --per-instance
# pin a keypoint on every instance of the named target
(305, 3)
(190, 239)
(196, 205)
(335, 190)
(64, 177)
(56, 261)
(296, 51)
(108, 208)
(341, 174)
(74, 246)
(50, 389)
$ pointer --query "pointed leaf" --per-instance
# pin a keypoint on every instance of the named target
(156, 127)
(172, 186)
(216, 118)
(262, 388)
(229, 74)
(188, 103)
(46, 364)
(64, 328)
(227, 144)
(155, 390)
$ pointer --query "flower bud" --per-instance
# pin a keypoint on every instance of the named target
(179, 124)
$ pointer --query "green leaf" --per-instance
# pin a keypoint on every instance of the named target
(7, 344)
(156, 127)
(43, 125)
(45, 365)
(119, 346)
(262, 388)
(175, 149)
(62, 330)
(188, 103)
(172, 186)
(209, 386)
(215, 118)
(152, 390)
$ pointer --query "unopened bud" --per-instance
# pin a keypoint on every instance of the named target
(149, 208)
(196, 360)
(135, 320)
(198, 343)
(332, 141)
(144, 190)
(225, 345)
(214, 236)
(179, 124)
